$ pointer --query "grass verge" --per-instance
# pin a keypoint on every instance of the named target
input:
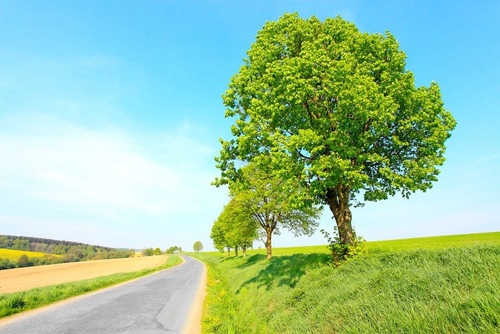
(447, 287)
(16, 302)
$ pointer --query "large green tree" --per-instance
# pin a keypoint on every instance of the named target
(337, 109)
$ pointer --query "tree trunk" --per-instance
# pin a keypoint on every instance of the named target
(228, 251)
(269, 250)
(338, 201)
(244, 248)
(236, 251)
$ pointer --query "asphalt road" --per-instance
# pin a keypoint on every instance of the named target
(159, 303)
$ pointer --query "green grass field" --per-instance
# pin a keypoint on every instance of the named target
(440, 242)
(13, 255)
(445, 284)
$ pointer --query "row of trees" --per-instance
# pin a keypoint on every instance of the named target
(198, 246)
(69, 251)
(157, 251)
(174, 249)
(151, 251)
(260, 207)
(325, 115)
(44, 245)
(25, 261)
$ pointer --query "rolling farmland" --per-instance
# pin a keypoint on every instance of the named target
(21, 279)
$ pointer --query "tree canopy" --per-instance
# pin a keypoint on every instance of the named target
(198, 246)
(273, 202)
(70, 251)
(234, 228)
(337, 110)
(173, 250)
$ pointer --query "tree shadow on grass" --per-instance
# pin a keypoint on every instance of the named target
(227, 258)
(285, 270)
(251, 260)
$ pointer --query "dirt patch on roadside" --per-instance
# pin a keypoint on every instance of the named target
(14, 280)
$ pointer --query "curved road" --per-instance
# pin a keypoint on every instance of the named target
(158, 303)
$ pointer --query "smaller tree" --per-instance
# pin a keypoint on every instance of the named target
(274, 202)
(6, 264)
(157, 251)
(218, 235)
(243, 231)
(23, 261)
(198, 246)
(235, 228)
(148, 252)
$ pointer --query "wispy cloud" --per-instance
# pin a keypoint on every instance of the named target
(107, 174)
(74, 163)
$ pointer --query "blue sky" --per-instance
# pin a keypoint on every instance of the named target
(110, 114)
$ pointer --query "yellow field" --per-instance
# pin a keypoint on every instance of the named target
(21, 279)
(14, 255)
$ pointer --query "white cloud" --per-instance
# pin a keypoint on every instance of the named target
(74, 164)
(56, 168)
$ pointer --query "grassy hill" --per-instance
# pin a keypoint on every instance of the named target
(427, 285)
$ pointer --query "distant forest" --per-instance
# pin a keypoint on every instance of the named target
(58, 251)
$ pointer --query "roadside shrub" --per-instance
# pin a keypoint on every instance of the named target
(341, 252)
(24, 261)
(11, 303)
(6, 264)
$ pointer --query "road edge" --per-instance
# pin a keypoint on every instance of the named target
(193, 323)
(12, 318)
